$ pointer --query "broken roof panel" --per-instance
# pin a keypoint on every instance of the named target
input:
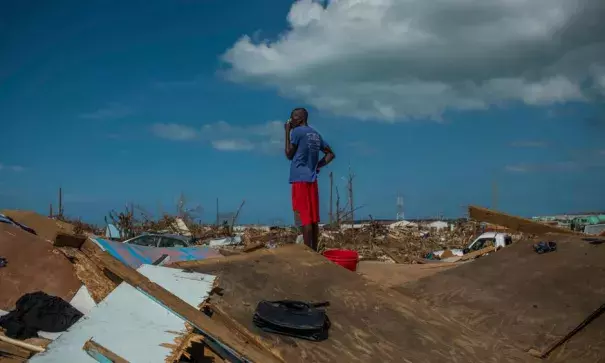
(135, 256)
(131, 324)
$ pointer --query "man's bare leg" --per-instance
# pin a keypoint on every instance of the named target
(315, 237)
(307, 232)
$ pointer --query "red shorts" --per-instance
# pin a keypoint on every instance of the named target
(305, 201)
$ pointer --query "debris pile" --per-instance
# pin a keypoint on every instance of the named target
(169, 290)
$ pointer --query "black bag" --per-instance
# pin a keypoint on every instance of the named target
(293, 318)
(544, 247)
(39, 311)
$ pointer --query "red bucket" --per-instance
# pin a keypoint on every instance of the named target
(345, 258)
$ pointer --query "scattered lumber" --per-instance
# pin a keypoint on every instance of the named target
(102, 354)
(21, 344)
(7, 349)
(475, 254)
(514, 223)
(220, 315)
(254, 247)
(179, 307)
(391, 255)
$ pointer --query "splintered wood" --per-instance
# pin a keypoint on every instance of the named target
(102, 354)
(97, 283)
(184, 310)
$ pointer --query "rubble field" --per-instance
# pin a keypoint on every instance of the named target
(495, 288)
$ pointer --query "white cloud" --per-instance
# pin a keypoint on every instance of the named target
(562, 166)
(14, 168)
(392, 59)
(233, 145)
(266, 137)
(110, 112)
(521, 168)
(529, 144)
(175, 132)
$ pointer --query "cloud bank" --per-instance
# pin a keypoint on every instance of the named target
(394, 60)
(223, 136)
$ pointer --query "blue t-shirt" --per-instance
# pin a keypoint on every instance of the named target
(304, 163)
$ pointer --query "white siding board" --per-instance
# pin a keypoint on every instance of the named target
(131, 324)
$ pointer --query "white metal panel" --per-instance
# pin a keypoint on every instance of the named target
(131, 324)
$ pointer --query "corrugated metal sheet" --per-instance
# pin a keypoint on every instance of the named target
(131, 324)
(594, 229)
(135, 256)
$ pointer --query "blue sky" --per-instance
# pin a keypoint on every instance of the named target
(121, 102)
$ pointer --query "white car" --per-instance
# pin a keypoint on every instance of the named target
(496, 239)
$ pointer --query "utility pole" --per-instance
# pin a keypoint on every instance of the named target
(350, 187)
(217, 217)
(337, 207)
(60, 202)
(331, 187)
(50, 214)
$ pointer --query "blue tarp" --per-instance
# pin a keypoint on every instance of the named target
(135, 256)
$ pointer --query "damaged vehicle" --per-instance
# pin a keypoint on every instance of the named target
(161, 240)
(496, 239)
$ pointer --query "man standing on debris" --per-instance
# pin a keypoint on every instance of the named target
(303, 145)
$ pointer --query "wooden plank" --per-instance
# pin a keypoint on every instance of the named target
(391, 255)
(101, 354)
(254, 247)
(513, 222)
(179, 307)
(220, 315)
(369, 322)
(7, 348)
(69, 240)
(481, 252)
(21, 344)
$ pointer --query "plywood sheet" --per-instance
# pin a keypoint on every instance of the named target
(45, 227)
(369, 323)
(587, 346)
(131, 324)
(516, 294)
(395, 274)
(33, 265)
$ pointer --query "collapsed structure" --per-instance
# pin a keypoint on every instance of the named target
(196, 303)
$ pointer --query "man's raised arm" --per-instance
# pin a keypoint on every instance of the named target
(328, 157)
(289, 148)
